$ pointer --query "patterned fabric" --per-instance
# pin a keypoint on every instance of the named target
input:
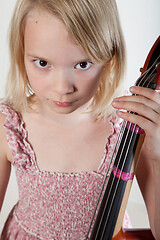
(51, 205)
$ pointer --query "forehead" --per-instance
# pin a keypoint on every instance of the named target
(47, 34)
(44, 24)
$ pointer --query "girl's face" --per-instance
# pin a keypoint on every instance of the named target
(60, 73)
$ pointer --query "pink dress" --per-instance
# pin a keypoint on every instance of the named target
(56, 206)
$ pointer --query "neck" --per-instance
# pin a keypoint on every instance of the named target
(70, 120)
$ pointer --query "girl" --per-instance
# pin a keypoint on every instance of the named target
(67, 61)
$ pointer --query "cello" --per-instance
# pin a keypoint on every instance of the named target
(107, 220)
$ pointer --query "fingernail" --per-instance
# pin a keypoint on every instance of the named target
(120, 113)
(132, 89)
(115, 100)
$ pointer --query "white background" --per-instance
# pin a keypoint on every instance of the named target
(140, 23)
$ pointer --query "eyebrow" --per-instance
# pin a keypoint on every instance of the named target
(37, 57)
(47, 60)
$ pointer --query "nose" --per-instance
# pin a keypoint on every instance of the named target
(62, 82)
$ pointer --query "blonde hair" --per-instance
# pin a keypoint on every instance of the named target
(93, 24)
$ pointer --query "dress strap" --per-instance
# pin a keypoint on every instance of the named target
(17, 137)
(115, 123)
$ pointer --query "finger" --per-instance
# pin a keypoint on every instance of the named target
(143, 123)
(140, 108)
(146, 92)
(139, 99)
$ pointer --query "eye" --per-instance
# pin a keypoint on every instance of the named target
(83, 65)
(42, 64)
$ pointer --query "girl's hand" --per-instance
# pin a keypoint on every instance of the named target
(146, 103)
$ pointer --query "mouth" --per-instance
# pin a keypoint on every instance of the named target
(63, 104)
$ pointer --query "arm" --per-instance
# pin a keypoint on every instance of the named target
(5, 166)
(146, 103)
(149, 183)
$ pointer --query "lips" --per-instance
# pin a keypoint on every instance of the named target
(63, 104)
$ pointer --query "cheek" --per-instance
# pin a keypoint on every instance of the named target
(36, 81)
(37, 85)
(92, 82)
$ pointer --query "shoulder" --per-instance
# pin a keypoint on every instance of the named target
(5, 107)
(5, 163)
(3, 140)
(5, 153)
(2, 122)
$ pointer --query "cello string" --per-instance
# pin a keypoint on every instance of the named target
(154, 66)
(108, 196)
(115, 189)
(128, 148)
(106, 177)
(150, 80)
(114, 151)
(140, 85)
(121, 133)
(125, 158)
(113, 179)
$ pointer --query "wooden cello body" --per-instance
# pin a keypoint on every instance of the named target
(108, 217)
(135, 234)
